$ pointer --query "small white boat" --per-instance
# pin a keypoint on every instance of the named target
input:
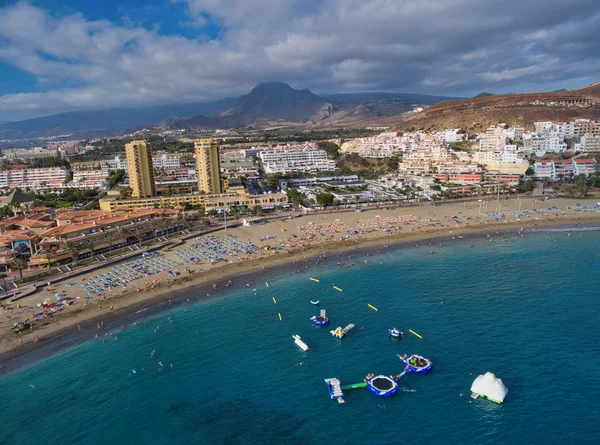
(314, 302)
(396, 333)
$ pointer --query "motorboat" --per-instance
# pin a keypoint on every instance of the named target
(396, 333)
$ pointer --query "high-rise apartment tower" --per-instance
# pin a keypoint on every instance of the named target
(207, 162)
(140, 169)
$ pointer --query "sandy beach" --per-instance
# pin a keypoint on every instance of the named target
(112, 294)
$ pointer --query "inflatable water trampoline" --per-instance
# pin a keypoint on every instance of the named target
(382, 386)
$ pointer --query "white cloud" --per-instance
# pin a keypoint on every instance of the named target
(436, 46)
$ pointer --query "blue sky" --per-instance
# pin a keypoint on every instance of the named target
(63, 55)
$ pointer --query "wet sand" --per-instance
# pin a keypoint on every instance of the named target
(62, 331)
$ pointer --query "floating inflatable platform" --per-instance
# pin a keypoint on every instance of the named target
(320, 320)
(335, 389)
(416, 363)
(382, 386)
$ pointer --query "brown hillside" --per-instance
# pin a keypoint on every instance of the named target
(514, 109)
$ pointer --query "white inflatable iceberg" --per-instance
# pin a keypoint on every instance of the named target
(490, 387)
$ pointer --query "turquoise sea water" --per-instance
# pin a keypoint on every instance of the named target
(526, 309)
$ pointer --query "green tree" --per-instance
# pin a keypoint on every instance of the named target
(115, 177)
(391, 163)
(125, 193)
(19, 263)
(581, 185)
(331, 148)
(110, 236)
(165, 224)
(48, 252)
(91, 243)
(295, 197)
(73, 250)
(122, 232)
(139, 234)
(325, 199)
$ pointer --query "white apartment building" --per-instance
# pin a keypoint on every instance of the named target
(493, 139)
(381, 146)
(585, 166)
(450, 136)
(295, 158)
(423, 159)
(165, 160)
(544, 169)
(540, 144)
(590, 142)
(117, 164)
(558, 169)
(561, 129)
(33, 178)
(88, 178)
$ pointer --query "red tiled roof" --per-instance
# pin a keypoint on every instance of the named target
(88, 219)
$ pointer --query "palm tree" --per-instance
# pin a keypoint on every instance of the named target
(180, 221)
(139, 234)
(19, 263)
(110, 236)
(90, 245)
(122, 231)
(73, 249)
(154, 225)
(164, 222)
(48, 252)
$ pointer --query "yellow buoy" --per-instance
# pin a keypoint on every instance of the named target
(337, 288)
(373, 307)
(315, 280)
(414, 333)
(274, 300)
(267, 284)
(279, 313)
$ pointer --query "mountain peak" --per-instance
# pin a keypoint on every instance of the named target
(277, 100)
(271, 86)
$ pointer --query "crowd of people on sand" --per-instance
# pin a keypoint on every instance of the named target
(155, 270)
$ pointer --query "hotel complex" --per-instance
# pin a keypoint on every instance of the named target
(209, 194)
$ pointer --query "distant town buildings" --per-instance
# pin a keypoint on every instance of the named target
(28, 155)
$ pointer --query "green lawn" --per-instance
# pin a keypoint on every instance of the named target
(39, 276)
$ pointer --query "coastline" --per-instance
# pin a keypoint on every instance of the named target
(62, 333)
